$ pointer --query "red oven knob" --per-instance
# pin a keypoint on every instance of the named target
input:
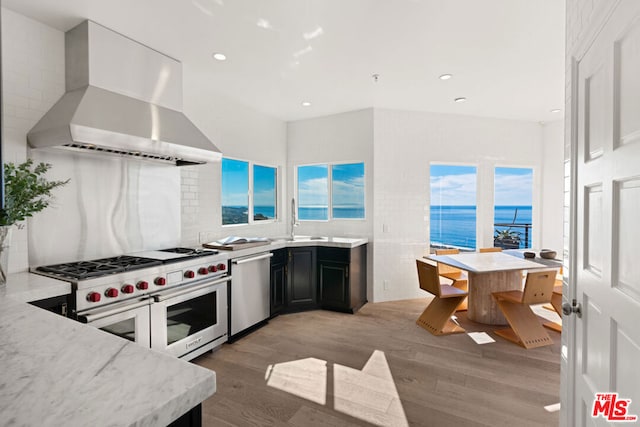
(213, 268)
(128, 289)
(142, 285)
(203, 270)
(111, 293)
(222, 267)
(189, 274)
(93, 297)
(160, 281)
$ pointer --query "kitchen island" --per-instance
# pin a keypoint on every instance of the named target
(56, 371)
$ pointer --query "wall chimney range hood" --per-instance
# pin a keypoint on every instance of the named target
(121, 98)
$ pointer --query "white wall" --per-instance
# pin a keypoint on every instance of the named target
(397, 147)
(33, 80)
(346, 137)
(240, 132)
(552, 175)
(404, 145)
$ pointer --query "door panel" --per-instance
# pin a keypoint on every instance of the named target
(595, 118)
(626, 373)
(627, 245)
(627, 67)
(607, 240)
(595, 354)
(593, 229)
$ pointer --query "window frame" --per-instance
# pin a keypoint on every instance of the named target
(250, 195)
(478, 227)
(535, 201)
(329, 166)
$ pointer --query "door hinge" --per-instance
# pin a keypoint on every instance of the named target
(574, 307)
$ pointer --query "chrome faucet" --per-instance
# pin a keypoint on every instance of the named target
(294, 222)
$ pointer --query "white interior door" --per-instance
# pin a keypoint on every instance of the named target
(606, 262)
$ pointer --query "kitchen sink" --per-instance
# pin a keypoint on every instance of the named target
(302, 238)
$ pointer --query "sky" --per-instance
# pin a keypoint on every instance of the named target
(456, 185)
(453, 185)
(513, 187)
(235, 184)
(347, 185)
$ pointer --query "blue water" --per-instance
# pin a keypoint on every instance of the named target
(456, 225)
(322, 214)
(268, 211)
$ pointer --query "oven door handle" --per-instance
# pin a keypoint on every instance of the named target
(121, 308)
(255, 258)
(188, 289)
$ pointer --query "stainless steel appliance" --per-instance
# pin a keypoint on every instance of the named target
(249, 293)
(173, 300)
(133, 111)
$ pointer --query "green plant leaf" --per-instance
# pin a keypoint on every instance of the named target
(27, 191)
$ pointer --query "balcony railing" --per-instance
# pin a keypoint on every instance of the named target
(524, 243)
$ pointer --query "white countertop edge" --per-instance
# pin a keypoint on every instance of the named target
(332, 242)
(59, 369)
(27, 287)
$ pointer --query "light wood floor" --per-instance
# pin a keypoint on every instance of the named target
(322, 368)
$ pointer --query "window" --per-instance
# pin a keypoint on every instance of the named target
(512, 207)
(453, 206)
(264, 193)
(235, 192)
(347, 191)
(336, 189)
(313, 193)
(240, 202)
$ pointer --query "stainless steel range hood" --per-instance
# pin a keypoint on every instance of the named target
(122, 98)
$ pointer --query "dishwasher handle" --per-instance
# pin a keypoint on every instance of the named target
(251, 259)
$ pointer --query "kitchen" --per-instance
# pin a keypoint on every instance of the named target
(395, 146)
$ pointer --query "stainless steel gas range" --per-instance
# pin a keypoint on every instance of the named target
(173, 300)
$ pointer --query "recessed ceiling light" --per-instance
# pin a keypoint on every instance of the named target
(445, 77)
(461, 99)
(219, 56)
(306, 104)
(555, 110)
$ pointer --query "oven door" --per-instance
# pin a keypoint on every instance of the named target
(190, 320)
(128, 320)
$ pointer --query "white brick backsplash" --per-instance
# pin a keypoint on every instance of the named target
(30, 52)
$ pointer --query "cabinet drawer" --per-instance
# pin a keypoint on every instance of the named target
(334, 254)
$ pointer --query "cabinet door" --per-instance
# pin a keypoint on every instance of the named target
(301, 278)
(334, 285)
(278, 288)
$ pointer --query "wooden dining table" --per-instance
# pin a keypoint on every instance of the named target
(488, 272)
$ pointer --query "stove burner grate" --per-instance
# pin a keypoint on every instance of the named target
(101, 267)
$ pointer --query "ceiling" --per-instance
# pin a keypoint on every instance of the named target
(506, 56)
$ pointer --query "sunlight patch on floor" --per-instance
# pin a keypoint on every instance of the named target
(550, 315)
(369, 394)
(306, 378)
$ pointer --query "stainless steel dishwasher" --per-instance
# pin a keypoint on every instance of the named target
(249, 292)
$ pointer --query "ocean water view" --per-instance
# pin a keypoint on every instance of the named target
(321, 213)
(456, 225)
(239, 214)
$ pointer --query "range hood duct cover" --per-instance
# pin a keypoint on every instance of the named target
(132, 110)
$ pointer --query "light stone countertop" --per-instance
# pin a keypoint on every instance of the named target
(56, 371)
(488, 262)
(300, 241)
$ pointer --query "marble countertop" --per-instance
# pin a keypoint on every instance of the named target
(299, 241)
(57, 371)
(488, 262)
